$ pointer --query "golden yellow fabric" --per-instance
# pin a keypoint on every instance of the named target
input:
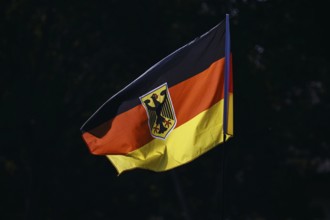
(184, 144)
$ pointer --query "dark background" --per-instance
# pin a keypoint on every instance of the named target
(60, 60)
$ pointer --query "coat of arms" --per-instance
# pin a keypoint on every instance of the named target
(160, 111)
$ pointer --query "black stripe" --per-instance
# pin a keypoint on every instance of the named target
(184, 63)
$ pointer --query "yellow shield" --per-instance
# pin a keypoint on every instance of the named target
(160, 111)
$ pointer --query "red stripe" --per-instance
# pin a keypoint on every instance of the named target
(129, 130)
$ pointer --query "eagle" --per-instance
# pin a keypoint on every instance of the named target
(160, 114)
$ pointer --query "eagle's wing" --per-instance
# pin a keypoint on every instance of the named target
(151, 113)
(166, 107)
(152, 118)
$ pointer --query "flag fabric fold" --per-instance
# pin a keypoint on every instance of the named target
(172, 113)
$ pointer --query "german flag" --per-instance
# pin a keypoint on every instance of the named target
(174, 112)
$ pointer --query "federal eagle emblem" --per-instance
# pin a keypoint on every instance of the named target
(160, 111)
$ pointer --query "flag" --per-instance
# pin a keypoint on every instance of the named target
(177, 110)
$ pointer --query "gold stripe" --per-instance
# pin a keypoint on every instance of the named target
(185, 143)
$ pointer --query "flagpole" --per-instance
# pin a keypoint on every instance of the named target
(226, 77)
(225, 114)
